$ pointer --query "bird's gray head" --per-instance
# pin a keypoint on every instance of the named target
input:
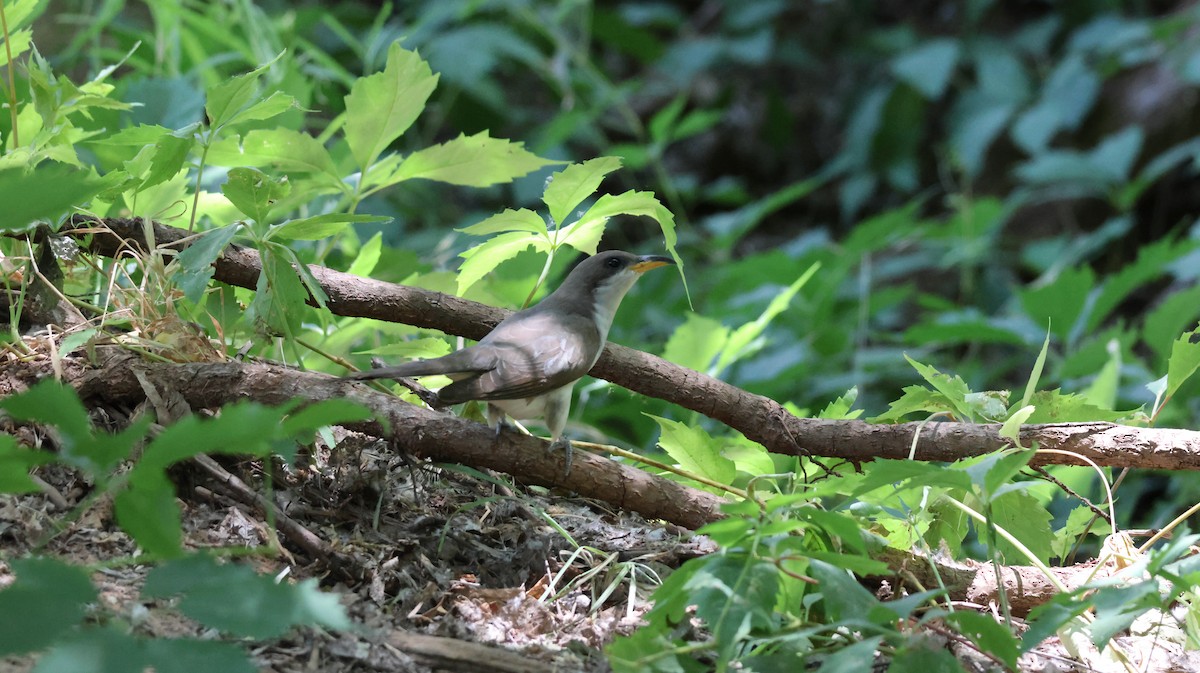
(601, 281)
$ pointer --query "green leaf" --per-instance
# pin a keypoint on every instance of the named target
(745, 339)
(630, 203)
(229, 98)
(1147, 268)
(381, 107)
(1055, 406)
(1184, 360)
(194, 266)
(15, 463)
(1103, 390)
(840, 408)
(170, 153)
(320, 226)
(480, 260)
(920, 657)
(1012, 427)
(855, 658)
(234, 599)
(275, 104)
(928, 67)
(571, 186)
(695, 450)
(1028, 520)
(147, 510)
(183, 655)
(253, 192)
(509, 220)
(1177, 311)
(1035, 374)
(471, 161)
(1060, 301)
(301, 423)
(280, 296)
(368, 256)
(289, 150)
(696, 343)
(842, 596)
(47, 599)
(44, 193)
(104, 649)
(430, 347)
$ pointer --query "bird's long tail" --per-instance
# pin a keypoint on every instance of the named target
(457, 362)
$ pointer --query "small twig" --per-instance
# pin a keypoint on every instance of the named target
(293, 531)
(1101, 514)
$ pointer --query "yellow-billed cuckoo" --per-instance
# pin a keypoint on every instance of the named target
(528, 364)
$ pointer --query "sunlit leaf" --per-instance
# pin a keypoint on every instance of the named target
(472, 161)
(381, 107)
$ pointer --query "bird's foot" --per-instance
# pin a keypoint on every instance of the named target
(564, 444)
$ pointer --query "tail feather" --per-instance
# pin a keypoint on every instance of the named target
(456, 362)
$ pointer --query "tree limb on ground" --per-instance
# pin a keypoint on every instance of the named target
(421, 432)
(758, 418)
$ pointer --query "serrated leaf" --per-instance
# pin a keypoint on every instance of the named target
(134, 136)
(235, 599)
(46, 599)
(840, 408)
(1055, 406)
(147, 510)
(571, 186)
(471, 161)
(952, 388)
(15, 463)
(695, 450)
(195, 264)
(225, 100)
(170, 152)
(279, 298)
(43, 193)
(320, 226)
(1028, 520)
(696, 343)
(275, 104)
(1184, 360)
(480, 260)
(291, 151)
(509, 220)
(307, 419)
(381, 107)
(253, 192)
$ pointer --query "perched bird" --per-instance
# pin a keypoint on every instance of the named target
(527, 365)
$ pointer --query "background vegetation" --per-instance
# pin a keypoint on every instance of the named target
(975, 180)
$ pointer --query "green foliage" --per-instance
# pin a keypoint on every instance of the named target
(880, 207)
(46, 604)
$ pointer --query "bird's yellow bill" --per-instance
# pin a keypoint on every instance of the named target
(647, 263)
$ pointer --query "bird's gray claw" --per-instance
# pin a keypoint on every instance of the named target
(564, 444)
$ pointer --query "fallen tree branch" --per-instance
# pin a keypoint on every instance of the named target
(758, 418)
(421, 432)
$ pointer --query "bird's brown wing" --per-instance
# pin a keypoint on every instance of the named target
(529, 357)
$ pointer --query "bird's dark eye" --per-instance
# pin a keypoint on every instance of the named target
(614, 263)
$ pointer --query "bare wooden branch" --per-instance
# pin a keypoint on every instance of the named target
(421, 432)
(758, 418)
